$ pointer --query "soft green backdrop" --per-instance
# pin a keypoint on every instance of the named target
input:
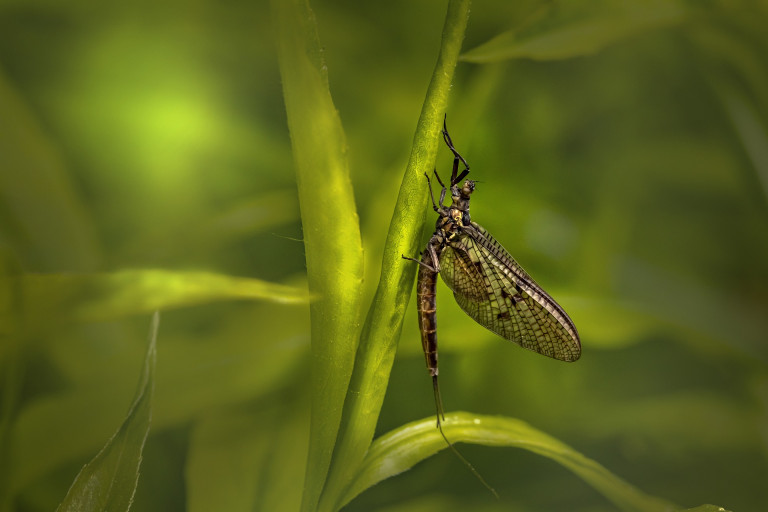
(622, 154)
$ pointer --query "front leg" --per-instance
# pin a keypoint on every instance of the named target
(432, 196)
(456, 158)
(442, 192)
(433, 254)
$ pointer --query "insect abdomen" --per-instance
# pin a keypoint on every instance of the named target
(426, 291)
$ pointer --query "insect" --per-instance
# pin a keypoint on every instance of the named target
(486, 281)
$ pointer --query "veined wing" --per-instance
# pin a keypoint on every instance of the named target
(493, 289)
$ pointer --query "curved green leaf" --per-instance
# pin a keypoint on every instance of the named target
(332, 240)
(575, 31)
(404, 447)
(109, 481)
(95, 297)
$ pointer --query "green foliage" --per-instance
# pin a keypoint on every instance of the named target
(381, 331)
(97, 297)
(576, 30)
(108, 482)
(399, 450)
(331, 230)
(146, 163)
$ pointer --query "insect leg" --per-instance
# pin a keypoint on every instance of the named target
(433, 254)
(456, 157)
(420, 263)
(432, 195)
(463, 173)
(442, 192)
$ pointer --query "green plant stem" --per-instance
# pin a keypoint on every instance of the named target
(382, 328)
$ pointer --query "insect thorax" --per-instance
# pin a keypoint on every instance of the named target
(458, 212)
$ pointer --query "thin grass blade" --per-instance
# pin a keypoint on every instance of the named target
(109, 481)
(402, 448)
(577, 30)
(104, 296)
(385, 318)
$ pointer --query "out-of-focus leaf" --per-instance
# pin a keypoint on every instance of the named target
(718, 320)
(242, 220)
(109, 481)
(235, 367)
(665, 423)
(613, 323)
(242, 461)
(332, 241)
(42, 217)
(744, 93)
(226, 455)
(752, 133)
(404, 447)
(385, 318)
(12, 368)
(705, 508)
(576, 29)
(285, 470)
(96, 297)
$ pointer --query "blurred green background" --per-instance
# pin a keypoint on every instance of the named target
(631, 182)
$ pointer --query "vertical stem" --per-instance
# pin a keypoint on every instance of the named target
(381, 332)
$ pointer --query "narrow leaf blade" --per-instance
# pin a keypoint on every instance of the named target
(378, 341)
(402, 448)
(105, 296)
(577, 31)
(109, 481)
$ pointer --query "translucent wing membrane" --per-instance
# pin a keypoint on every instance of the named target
(497, 293)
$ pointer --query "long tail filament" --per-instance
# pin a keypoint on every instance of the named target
(441, 414)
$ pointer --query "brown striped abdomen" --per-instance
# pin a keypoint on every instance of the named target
(426, 291)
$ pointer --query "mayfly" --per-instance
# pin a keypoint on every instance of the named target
(486, 281)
